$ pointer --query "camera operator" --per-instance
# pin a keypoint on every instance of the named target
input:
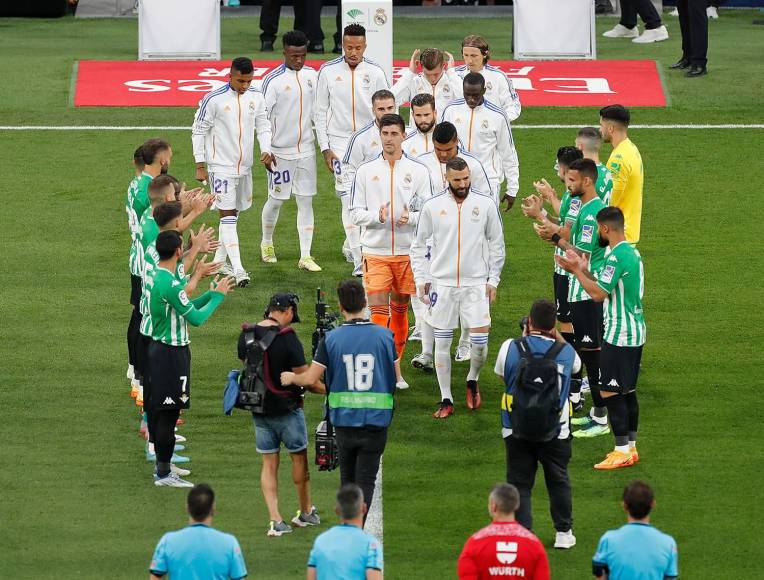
(360, 411)
(282, 420)
(535, 415)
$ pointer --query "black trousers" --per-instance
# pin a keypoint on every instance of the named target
(307, 18)
(360, 451)
(164, 435)
(693, 22)
(646, 11)
(133, 327)
(523, 458)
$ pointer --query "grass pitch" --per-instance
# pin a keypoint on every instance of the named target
(76, 497)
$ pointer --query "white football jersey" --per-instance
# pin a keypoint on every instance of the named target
(498, 89)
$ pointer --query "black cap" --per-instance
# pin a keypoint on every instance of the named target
(282, 301)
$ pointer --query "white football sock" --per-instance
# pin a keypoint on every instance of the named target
(464, 337)
(443, 339)
(221, 255)
(230, 239)
(419, 309)
(269, 218)
(352, 233)
(428, 340)
(305, 223)
(478, 354)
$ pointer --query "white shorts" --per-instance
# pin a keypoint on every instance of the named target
(231, 192)
(339, 145)
(449, 305)
(292, 176)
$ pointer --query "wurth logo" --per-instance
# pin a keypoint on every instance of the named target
(506, 552)
(495, 571)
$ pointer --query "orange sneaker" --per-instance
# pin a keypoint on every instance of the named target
(134, 390)
(615, 460)
(634, 454)
(139, 399)
(473, 395)
(445, 410)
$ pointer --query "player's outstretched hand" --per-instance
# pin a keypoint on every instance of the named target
(509, 200)
(206, 269)
(223, 286)
(571, 261)
(287, 378)
(414, 62)
(531, 206)
(201, 174)
(545, 190)
(546, 230)
(384, 212)
(490, 292)
(404, 219)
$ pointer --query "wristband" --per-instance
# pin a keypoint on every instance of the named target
(556, 239)
(544, 213)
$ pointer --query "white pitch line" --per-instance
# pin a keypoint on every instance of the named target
(182, 128)
(374, 519)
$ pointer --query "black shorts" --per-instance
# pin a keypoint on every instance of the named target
(560, 283)
(135, 291)
(619, 368)
(141, 364)
(586, 317)
(170, 376)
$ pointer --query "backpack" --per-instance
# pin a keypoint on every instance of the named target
(535, 413)
(255, 384)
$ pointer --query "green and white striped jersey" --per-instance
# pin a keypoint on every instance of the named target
(564, 207)
(136, 203)
(583, 235)
(148, 236)
(623, 278)
(150, 264)
(604, 185)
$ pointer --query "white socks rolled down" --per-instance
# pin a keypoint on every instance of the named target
(478, 354)
(305, 223)
(269, 218)
(229, 238)
(443, 340)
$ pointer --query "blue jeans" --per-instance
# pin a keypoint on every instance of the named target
(289, 429)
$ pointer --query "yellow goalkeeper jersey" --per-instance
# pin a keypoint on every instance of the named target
(625, 164)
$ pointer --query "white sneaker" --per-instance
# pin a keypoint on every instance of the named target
(423, 362)
(171, 480)
(309, 264)
(653, 35)
(585, 388)
(402, 384)
(226, 270)
(179, 438)
(242, 278)
(712, 13)
(564, 540)
(358, 271)
(179, 471)
(674, 12)
(463, 353)
(620, 31)
(346, 252)
(416, 335)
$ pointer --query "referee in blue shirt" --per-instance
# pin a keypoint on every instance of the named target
(198, 550)
(346, 551)
(636, 550)
(359, 360)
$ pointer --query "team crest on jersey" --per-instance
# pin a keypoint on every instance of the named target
(252, 107)
(607, 274)
(506, 552)
(446, 89)
(488, 87)
(374, 144)
(310, 84)
(475, 211)
(587, 233)
(277, 189)
(183, 297)
(485, 124)
(366, 79)
(407, 179)
(380, 18)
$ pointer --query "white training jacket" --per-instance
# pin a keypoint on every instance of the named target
(289, 97)
(417, 143)
(498, 89)
(404, 184)
(478, 176)
(467, 241)
(343, 98)
(364, 145)
(409, 85)
(223, 134)
(484, 131)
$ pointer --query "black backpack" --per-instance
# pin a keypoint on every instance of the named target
(253, 382)
(535, 413)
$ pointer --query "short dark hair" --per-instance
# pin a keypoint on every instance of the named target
(294, 38)
(138, 157)
(352, 296)
(175, 183)
(200, 501)
(612, 216)
(591, 134)
(506, 497)
(444, 132)
(354, 30)
(617, 113)
(168, 243)
(381, 95)
(423, 99)
(158, 184)
(392, 119)
(567, 154)
(585, 167)
(638, 498)
(243, 65)
(151, 148)
(456, 164)
(350, 501)
(166, 212)
(474, 78)
(543, 314)
(431, 58)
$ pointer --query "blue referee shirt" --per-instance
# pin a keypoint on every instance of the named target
(636, 551)
(198, 552)
(345, 552)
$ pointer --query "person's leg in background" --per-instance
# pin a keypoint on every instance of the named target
(269, 24)
(521, 472)
(555, 456)
(338, 35)
(164, 438)
(684, 27)
(628, 13)
(372, 445)
(698, 25)
(655, 31)
(311, 21)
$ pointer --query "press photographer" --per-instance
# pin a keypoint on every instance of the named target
(269, 348)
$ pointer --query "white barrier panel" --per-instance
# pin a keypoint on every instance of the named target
(554, 30)
(376, 16)
(179, 30)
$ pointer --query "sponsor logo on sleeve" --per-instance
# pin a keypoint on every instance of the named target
(587, 233)
(607, 274)
(183, 297)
